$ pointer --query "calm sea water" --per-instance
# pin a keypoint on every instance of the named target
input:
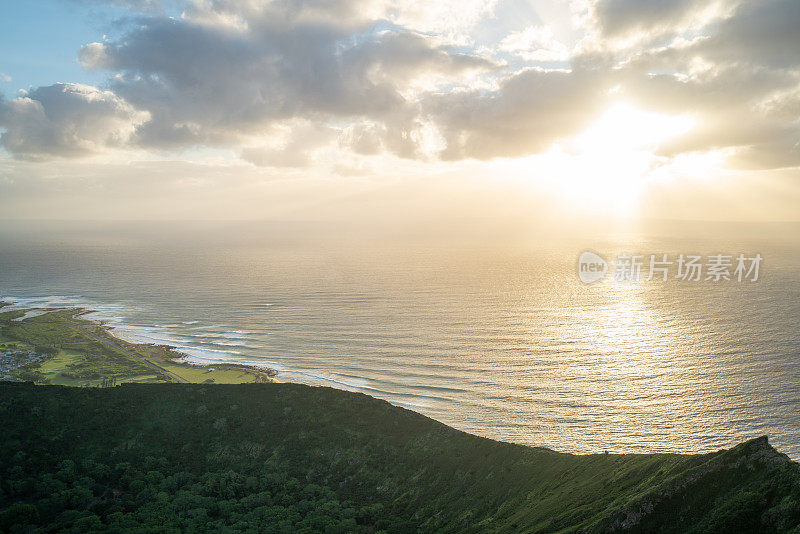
(493, 336)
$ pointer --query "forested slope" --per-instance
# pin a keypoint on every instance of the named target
(289, 458)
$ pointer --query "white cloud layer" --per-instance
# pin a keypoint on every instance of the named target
(67, 120)
(278, 82)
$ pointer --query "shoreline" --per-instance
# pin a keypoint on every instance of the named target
(268, 372)
(173, 356)
(164, 361)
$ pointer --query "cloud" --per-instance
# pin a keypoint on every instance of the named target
(762, 33)
(280, 81)
(65, 120)
(535, 43)
(211, 80)
(452, 19)
(366, 138)
(293, 145)
(525, 115)
(623, 18)
(740, 82)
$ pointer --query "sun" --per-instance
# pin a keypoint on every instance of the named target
(609, 163)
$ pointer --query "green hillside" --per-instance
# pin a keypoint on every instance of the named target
(292, 458)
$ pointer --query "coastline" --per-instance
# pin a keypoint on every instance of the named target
(112, 318)
(180, 358)
(31, 330)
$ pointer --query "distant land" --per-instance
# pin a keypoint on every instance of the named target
(58, 347)
(140, 450)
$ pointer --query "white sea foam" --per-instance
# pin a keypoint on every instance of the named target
(203, 355)
(225, 343)
(318, 378)
(109, 312)
(132, 334)
(192, 345)
(223, 335)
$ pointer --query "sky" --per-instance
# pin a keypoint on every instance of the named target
(399, 109)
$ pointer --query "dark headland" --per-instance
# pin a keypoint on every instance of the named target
(293, 458)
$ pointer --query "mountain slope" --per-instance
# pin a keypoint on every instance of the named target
(288, 458)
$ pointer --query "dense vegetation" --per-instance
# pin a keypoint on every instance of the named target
(292, 458)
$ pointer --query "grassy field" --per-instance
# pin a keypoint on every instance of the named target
(215, 375)
(293, 458)
(82, 353)
(58, 370)
(53, 367)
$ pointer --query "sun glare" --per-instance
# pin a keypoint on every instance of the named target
(609, 164)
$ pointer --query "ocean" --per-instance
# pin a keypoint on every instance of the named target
(485, 331)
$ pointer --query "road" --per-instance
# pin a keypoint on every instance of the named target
(113, 345)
